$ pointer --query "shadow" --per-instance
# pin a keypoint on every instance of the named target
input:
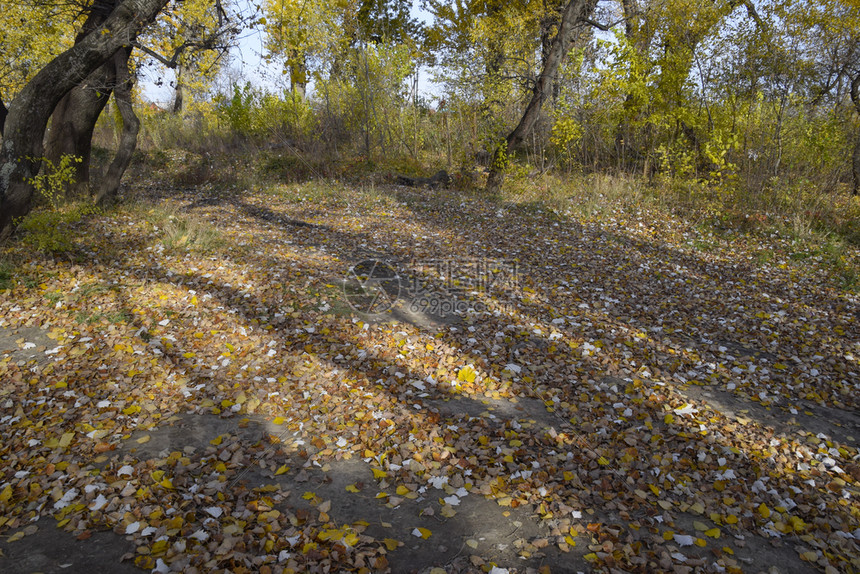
(591, 454)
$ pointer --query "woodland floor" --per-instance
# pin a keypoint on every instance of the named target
(195, 393)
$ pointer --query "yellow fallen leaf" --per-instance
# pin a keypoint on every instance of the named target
(6, 493)
(731, 519)
(467, 374)
(217, 440)
(764, 510)
(15, 537)
(330, 535)
(144, 439)
(66, 439)
(350, 539)
(282, 470)
(377, 473)
(422, 533)
(351, 488)
(390, 543)
(279, 420)
(472, 543)
(402, 490)
(713, 533)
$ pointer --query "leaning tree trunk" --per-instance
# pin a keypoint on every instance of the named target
(574, 12)
(130, 126)
(74, 118)
(74, 121)
(855, 163)
(32, 107)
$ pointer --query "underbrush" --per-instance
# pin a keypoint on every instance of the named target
(804, 224)
(812, 226)
(54, 230)
(179, 231)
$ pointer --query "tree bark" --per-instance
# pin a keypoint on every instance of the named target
(179, 96)
(574, 12)
(130, 126)
(855, 163)
(3, 112)
(73, 122)
(32, 107)
(74, 118)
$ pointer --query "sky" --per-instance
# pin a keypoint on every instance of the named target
(247, 58)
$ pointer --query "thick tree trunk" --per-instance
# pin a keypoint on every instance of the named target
(574, 12)
(73, 122)
(74, 118)
(32, 107)
(130, 126)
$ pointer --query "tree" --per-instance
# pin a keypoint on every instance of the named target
(30, 110)
(574, 13)
(189, 39)
(74, 118)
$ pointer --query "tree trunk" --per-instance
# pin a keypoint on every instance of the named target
(3, 112)
(73, 122)
(74, 118)
(298, 74)
(575, 11)
(855, 164)
(130, 126)
(178, 94)
(32, 107)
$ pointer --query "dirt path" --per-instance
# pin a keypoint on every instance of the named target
(537, 394)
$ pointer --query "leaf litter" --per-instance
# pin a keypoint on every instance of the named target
(578, 426)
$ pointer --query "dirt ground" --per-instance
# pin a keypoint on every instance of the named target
(226, 408)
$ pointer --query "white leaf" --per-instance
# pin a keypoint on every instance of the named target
(200, 535)
(99, 502)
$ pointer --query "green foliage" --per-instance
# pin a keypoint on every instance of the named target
(52, 183)
(53, 231)
(7, 275)
(254, 113)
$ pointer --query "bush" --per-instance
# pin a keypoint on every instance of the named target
(51, 231)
